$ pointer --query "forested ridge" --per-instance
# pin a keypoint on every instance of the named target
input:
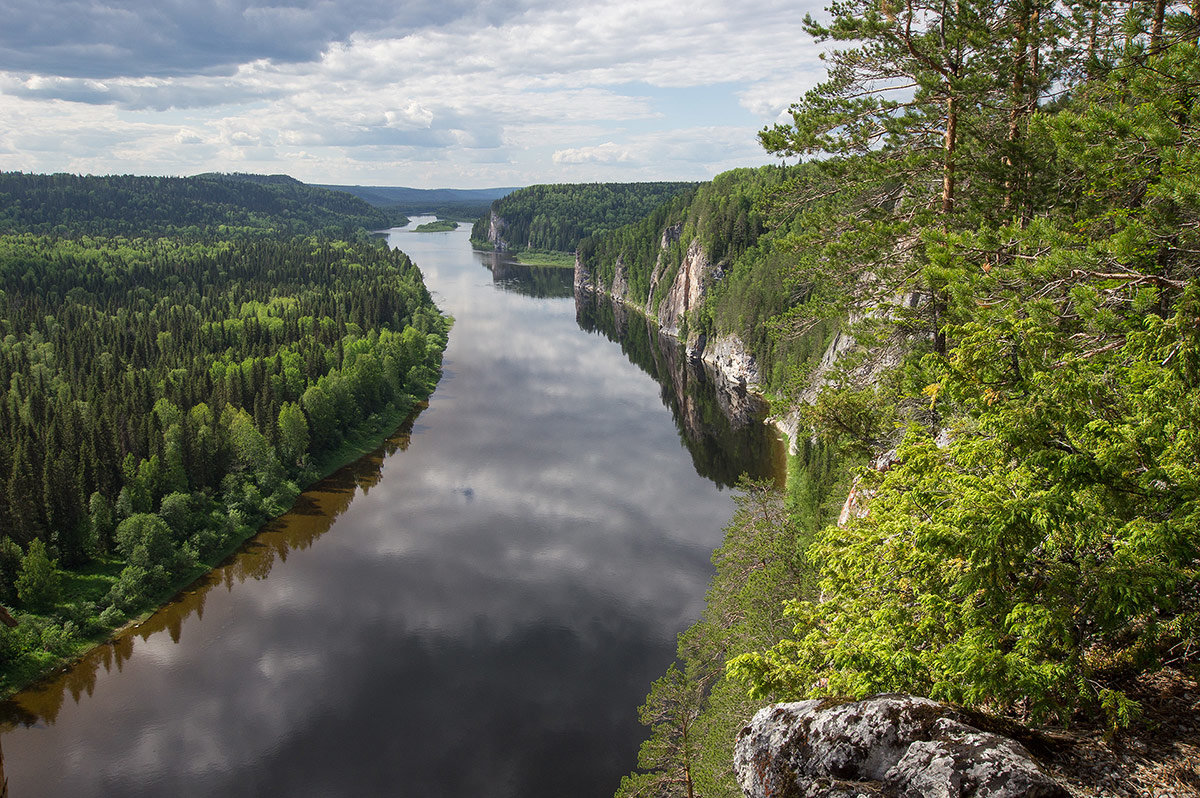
(731, 221)
(554, 217)
(463, 205)
(164, 395)
(1004, 216)
(210, 205)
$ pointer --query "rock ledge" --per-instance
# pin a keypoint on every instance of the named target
(887, 745)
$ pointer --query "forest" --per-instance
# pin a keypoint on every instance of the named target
(730, 219)
(208, 205)
(554, 217)
(999, 203)
(165, 394)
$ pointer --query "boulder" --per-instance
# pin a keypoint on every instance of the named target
(899, 746)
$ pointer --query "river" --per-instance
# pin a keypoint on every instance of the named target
(476, 609)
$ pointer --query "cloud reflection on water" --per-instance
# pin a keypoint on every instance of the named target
(437, 645)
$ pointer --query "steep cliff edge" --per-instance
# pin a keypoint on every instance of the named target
(686, 286)
(495, 232)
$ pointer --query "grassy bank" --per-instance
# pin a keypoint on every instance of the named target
(561, 260)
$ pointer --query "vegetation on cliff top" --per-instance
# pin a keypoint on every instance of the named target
(1008, 204)
(555, 217)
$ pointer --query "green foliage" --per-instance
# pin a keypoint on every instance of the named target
(293, 432)
(206, 206)
(670, 755)
(38, 583)
(439, 226)
(556, 217)
(162, 396)
(1050, 549)
(1032, 278)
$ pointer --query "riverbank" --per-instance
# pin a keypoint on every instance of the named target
(558, 260)
(91, 583)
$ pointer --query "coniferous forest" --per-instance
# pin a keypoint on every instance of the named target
(998, 208)
(555, 217)
(164, 395)
(973, 287)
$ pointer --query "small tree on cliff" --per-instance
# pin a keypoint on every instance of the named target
(670, 755)
(924, 116)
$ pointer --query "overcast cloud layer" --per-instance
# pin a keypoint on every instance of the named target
(426, 93)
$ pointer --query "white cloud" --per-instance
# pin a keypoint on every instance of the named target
(608, 152)
(501, 94)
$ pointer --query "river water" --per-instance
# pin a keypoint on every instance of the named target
(476, 609)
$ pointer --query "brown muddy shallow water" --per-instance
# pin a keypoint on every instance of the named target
(476, 609)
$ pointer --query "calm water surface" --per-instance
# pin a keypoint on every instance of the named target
(477, 609)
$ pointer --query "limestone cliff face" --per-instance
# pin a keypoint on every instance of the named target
(583, 278)
(686, 292)
(496, 226)
(729, 356)
(669, 237)
(620, 284)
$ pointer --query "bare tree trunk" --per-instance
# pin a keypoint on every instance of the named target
(1033, 88)
(1020, 54)
(1156, 30)
(951, 142)
(687, 761)
(1130, 30)
(1091, 51)
(938, 300)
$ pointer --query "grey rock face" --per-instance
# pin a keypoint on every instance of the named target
(889, 745)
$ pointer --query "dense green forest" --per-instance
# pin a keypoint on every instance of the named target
(1004, 212)
(555, 217)
(211, 205)
(731, 220)
(163, 396)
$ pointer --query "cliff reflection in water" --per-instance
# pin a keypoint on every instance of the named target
(541, 282)
(719, 422)
(311, 517)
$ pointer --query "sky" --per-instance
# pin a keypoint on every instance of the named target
(422, 93)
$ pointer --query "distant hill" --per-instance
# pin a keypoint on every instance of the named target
(555, 217)
(137, 206)
(464, 204)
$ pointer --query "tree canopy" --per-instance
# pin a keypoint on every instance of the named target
(555, 217)
(163, 395)
(1003, 213)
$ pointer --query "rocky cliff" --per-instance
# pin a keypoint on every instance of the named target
(720, 421)
(888, 745)
(688, 286)
(495, 236)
